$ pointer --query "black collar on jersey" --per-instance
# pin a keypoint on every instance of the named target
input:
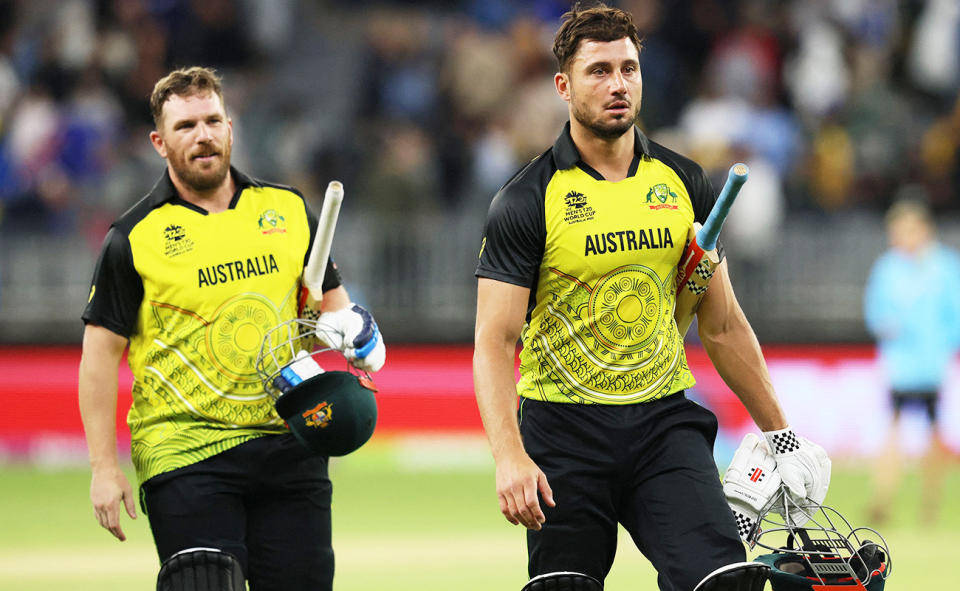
(566, 155)
(165, 192)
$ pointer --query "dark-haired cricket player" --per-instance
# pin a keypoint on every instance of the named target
(578, 261)
(191, 278)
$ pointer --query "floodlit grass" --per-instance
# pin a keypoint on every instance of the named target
(408, 515)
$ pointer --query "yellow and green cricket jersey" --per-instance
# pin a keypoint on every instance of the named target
(195, 294)
(601, 260)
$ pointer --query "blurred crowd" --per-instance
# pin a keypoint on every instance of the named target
(431, 106)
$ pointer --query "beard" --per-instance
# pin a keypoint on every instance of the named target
(202, 179)
(607, 130)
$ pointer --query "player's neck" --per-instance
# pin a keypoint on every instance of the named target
(610, 157)
(215, 200)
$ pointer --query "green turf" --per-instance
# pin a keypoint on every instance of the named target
(397, 527)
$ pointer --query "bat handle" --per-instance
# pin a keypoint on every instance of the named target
(708, 234)
(316, 267)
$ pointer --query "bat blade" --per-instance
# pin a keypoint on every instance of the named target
(700, 259)
(316, 267)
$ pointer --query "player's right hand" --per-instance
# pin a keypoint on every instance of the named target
(803, 465)
(518, 482)
(109, 488)
(353, 331)
(804, 468)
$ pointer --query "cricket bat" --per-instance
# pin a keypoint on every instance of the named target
(316, 266)
(700, 259)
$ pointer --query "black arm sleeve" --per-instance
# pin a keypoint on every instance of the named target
(513, 240)
(702, 194)
(117, 289)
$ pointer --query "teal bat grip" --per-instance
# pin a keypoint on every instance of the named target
(708, 234)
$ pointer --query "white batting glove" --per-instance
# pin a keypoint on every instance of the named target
(804, 468)
(353, 331)
(750, 482)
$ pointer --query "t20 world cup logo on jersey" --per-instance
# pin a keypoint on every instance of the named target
(577, 208)
(176, 241)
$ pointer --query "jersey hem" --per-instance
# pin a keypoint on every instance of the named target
(597, 403)
(216, 448)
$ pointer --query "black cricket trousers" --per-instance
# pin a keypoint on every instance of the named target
(266, 501)
(647, 466)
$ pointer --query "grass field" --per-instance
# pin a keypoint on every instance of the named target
(408, 515)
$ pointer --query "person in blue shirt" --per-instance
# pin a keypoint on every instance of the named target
(912, 308)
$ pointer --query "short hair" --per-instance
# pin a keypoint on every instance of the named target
(183, 82)
(909, 207)
(597, 23)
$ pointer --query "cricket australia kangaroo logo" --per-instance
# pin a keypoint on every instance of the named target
(271, 222)
(577, 208)
(659, 195)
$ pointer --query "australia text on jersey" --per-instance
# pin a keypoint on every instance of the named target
(624, 240)
(236, 270)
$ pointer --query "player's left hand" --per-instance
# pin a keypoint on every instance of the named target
(802, 464)
(110, 490)
(749, 483)
(519, 481)
(353, 331)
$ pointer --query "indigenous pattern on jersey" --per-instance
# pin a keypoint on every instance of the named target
(601, 261)
(195, 293)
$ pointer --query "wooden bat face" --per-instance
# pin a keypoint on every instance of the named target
(692, 255)
(700, 259)
(693, 277)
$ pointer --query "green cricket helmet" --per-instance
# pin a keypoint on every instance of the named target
(330, 412)
(825, 554)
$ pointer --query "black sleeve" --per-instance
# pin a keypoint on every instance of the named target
(331, 278)
(117, 289)
(701, 194)
(513, 239)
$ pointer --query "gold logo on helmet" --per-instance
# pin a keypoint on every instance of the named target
(319, 416)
